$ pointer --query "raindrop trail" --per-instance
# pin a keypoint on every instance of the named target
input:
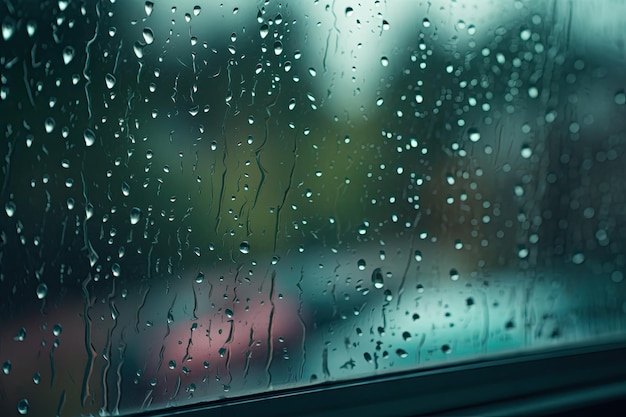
(160, 358)
(52, 369)
(270, 344)
(230, 375)
(246, 368)
(408, 264)
(28, 90)
(61, 403)
(483, 342)
(141, 306)
(170, 317)
(7, 167)
(106, 355)
(302, 345)
(117, 57)
(85, 234)
(85, 391)
(282, 204)
(107, 352)
(257, 152)
(88, 59)
(147, 401)
(419, 349)
(325, 363)
(176, 389)
(122, 351)
(224, 157)
(195, 302)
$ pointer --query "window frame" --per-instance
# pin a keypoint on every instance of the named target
(536, 382)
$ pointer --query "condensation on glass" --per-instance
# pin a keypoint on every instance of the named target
(207, 200)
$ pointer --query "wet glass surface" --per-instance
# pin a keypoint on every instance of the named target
(207, 200)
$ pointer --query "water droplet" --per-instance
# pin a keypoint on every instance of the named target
(42, 291)
(31, 28)
(244, 247)
(526, 152)
(426, 22)
(135, 215)
(522, 253)
(361, 264)
(446, 349)
(292, 104)
(149, 6)
(172, 364)
(278, 48)
(116, 269)
(379, 101)
(89, 136)
(402, 353)
(473, 134)
(37, 378)
(9, 207)
(406, 336)
(312, 72)
(6, 367)
(197, 10)
(49, 124)
(578, 258)
(68, 54)
(89, 211)
(21, 335)
(454, 274)
(263, 31)
(349, 11)
(384, 61)
(8, 28)
(377, 278)
(138, 49)
(620, 97)
(229, 313)
(110, 80)
(22, 406)
(385, 25)
(57, 329)
(125, 189)
(200, 277)
(418, 256)
(148, 36)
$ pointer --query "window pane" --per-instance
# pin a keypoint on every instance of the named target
(212, 200)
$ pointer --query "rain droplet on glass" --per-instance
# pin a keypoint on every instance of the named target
(244, 247)
(148, 36)
(42, 291)
(89, 136)
(135, 215)
(109, 80)
(278, 48)
(377, 278)
(22, 406)
(473, 134)
(149, 6)
(68, 54)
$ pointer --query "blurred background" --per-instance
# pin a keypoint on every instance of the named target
(206, 200)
